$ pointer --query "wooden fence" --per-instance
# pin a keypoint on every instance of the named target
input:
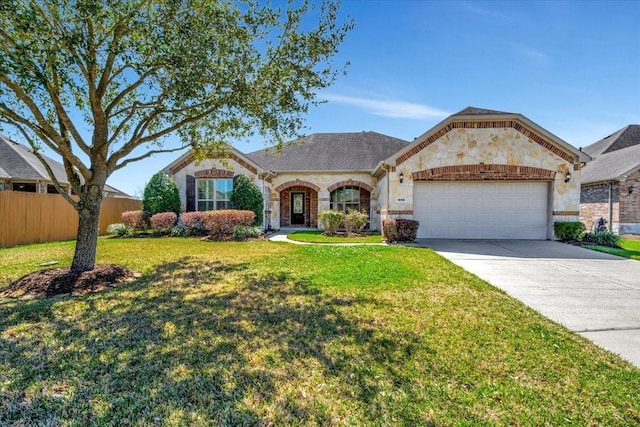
(36, 218)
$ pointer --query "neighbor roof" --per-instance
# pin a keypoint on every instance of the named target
(19, 162)
(614, 156)
(330, 152)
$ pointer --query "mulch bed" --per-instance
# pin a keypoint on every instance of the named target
(60, 281)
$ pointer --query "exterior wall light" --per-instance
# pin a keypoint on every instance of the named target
(401, 177)
(567, 177)
(631, 188)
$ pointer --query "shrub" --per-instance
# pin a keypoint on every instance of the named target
(221, 223)
(389, 230)
(400, 230)
(602, 238)
(161, 195)
(330, 221)
(355, 221)
(407, 229)
(247, 196)
(163, 221)
(119, 230)
(136, 220)
(194, 223)
(568, 230)
(180, 230)
(242, 232)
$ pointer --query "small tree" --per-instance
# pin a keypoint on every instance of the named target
(161, 195)
(247, 196)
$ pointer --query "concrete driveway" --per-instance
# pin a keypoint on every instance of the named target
(594, 294)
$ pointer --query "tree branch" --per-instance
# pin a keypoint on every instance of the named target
(148, 154)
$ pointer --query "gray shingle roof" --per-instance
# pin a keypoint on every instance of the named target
(4, 174)
(330, 151)
(475, 111)
(19, 162)
(614, 156)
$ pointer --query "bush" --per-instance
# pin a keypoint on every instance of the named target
(407, 230)
(220, 223)
(242, 232)
(194, 223)
(136, 220)
(400, 230)
(119, 230)
(355, 221)
(180, 230)
(247, 196)
(568, 230)
(330, 221)
(602, 238)
(163, 221)
(389, 230)
(161, 195)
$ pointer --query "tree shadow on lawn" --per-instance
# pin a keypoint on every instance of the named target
(197, 342)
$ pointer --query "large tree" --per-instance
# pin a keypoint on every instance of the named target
(94, 80)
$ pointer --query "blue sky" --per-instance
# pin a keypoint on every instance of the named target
(572, 67)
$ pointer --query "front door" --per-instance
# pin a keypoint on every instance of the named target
(297, 208)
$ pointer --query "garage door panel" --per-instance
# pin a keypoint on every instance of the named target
(481, 210)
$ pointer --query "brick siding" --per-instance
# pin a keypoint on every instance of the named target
(484, 172)
(630, 202)
(594, 202)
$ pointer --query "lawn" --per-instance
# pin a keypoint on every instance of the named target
(629, 248)
(316, 236)
(265, 333)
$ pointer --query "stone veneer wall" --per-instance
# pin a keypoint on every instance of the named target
(490, 146)
(594, 202)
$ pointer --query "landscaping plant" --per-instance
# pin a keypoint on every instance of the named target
(247, 196)
(355, 221)
(330, 221)
(161, 195)
(119, 230)
(163, 222)
(568, 230)
(220, 223)
(136, 220)
(602, 238)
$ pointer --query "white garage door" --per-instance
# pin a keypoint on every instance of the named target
(481, 210)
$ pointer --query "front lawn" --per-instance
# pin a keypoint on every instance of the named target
(316, 236)
(265, 333)
(629, 248)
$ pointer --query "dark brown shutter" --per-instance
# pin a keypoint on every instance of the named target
(191, 193)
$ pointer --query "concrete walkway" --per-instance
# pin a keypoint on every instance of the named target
(594, 294)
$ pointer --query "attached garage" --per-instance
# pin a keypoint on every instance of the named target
(482, 209)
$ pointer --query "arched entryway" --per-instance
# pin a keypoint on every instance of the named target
(298, 204)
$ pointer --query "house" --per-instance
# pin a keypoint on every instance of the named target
(21, 170)
(611, 182)
(477, 174)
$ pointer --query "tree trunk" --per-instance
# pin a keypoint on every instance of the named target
(90, 203)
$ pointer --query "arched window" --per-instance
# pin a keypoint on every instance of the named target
(345, 198)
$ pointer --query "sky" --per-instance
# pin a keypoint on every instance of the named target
(571, 67)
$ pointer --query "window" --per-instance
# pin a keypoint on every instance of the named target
(213, 194)
(344, 199)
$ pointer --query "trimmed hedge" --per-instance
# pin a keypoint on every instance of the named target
(163, 221)
(400, 230)
(220, 223)
(568, 230)
(136, 220)
(194, 223)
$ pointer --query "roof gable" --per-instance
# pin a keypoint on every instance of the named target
(330, 152)
(229, 153)
(614, 156)
(492, 119)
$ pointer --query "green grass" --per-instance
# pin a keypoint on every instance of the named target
(316, 236)
(266, 333)
(629, 248)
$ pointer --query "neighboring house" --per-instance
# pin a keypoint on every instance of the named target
(21, 170)
(477, 174)
(611, 182)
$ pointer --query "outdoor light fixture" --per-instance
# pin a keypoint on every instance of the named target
(401, 177)
(630, 189)
(567, 177)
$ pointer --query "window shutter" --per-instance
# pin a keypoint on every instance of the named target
(191, 193)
